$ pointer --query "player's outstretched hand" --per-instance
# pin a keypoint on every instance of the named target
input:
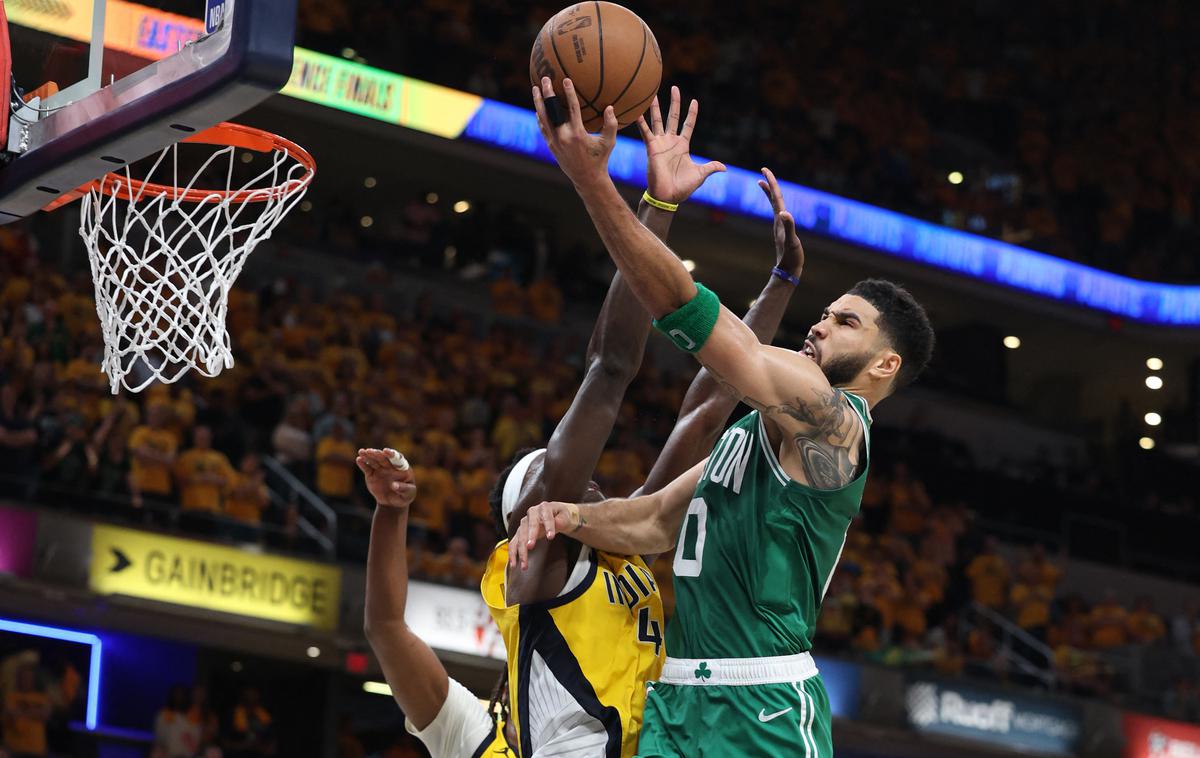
(789, 252)
(391, 486)
(583, 157)
(671, 174)
(542, 521)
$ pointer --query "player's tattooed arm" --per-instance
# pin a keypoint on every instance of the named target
(824, 432)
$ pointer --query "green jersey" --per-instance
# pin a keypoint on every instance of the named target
(756, 550)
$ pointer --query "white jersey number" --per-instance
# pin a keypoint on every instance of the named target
(689, 553)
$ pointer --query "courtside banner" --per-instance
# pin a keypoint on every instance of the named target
(1147, 737)
(453, 619)
(204, 575)
(993, 715)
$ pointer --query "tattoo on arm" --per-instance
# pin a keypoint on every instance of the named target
(828, 439)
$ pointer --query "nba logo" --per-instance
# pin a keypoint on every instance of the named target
(214, 16)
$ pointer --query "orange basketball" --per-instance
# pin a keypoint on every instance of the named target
(608, 53)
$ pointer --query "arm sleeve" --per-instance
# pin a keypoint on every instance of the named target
(459, 729)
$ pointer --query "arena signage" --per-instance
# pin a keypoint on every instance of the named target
(1147, 737)
(18, 538)
(204, 575)
(385, 96)
(454, 620)
(994, 716)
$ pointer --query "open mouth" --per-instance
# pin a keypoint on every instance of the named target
(809, 349)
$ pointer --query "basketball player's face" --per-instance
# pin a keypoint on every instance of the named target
(846, 339)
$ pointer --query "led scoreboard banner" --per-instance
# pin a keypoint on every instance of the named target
(392, 98)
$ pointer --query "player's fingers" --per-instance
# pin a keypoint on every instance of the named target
(407, 491)
(644, 128)
(776, 194)
(362, 465)
(540, 107)
(547, 518)
(789, 223)
(689, 123)
(712, 167)
(673, 111)
(656, 116)
(611, 125)
(574, 117)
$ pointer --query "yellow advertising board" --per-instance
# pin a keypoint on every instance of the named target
(203, 575)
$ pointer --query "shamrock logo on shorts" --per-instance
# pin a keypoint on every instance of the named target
(703, 672)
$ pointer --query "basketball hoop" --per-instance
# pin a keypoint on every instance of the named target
(165, 255)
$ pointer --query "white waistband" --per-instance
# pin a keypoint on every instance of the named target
(738, 671)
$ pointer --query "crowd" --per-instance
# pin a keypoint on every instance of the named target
(319, 375)
(1068, 127)
(37, 700)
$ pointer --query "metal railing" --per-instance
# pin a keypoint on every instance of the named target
(296, 492)
(1010, 633)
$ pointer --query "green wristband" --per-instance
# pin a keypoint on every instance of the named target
(690, 326)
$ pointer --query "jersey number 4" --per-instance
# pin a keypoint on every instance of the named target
(649, 630)
(689, 553)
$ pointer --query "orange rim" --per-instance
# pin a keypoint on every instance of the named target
(225, 135)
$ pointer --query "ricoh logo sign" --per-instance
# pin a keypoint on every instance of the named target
(989, 716)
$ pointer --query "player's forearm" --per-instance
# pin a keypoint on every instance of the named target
(387, 571)
(656, 276)
(625, 526)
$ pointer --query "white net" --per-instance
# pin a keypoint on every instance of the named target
(164, 261)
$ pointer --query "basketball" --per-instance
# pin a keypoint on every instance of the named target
(608, 52)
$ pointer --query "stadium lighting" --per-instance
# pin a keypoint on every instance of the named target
(689, 264)
(1154, 382)
(1154, 364)
(313, 651)
(1011, 342)
(349, 52)
(432, 198)
(247, 157)
(1153, 419)
(305, 206)
(955, 177)
(236, 667)
(462, 206)
(377, 688)
(369, 182)
(366, 222)
(68, 635)
(1146, 443)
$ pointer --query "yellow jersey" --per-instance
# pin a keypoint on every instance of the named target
(578, 664)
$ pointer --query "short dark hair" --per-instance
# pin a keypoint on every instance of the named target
(496, 496)
(903, 323)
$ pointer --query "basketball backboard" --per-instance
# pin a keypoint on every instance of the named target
(129, 79)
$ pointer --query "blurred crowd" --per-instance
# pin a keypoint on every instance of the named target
(1066, 127)
(38, 699)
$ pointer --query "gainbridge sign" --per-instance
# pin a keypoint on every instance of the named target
(203, 575)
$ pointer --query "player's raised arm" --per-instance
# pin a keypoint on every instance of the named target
(789, 388)
(614, 354)
(642, 525)
(706, 407)
(417, 678)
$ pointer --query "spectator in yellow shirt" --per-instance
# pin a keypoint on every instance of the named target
(203, 474)
(989, 577)
(1108, 623)
(460, 569)
(1145, 626)
(545, 301)
(1041, 570)
(152, 454)
(26, 711)
(507, 297)
(335, 464)
(247, 495)
(1031, 601)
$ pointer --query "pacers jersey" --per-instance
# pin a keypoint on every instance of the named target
(756, 550)
(578, 664)
(497, 748)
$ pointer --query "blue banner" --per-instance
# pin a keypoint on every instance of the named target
(841, 681)
(997, 716)
(515, 129)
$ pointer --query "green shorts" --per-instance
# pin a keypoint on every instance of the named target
(737, 707)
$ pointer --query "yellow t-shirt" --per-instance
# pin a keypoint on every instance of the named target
(151, 476)
(195, 495)
(989, 580)
(335, 479)
(25, 734)
(1146, 627)
(246, 507)
(1108, 626)
(1032, 604)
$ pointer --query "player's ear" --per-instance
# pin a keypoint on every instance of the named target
(886, 366)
